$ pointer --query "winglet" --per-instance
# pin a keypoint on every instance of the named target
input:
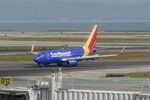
(122, 51)
(32, 49)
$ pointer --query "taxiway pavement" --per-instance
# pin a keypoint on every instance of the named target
(32, 69)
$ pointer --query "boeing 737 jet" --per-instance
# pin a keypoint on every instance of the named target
(70, 57)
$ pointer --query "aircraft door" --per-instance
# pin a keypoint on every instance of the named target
(48, 55)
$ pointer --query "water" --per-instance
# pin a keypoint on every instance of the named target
(105, 25)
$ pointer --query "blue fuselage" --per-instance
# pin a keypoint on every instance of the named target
(56, 56)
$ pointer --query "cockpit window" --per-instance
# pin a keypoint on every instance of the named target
(41, 55)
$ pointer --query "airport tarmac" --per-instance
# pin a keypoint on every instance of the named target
(108, 84)
(32, 69)
(87, 70)
(71, 44)
(72, 34)
(83, 36)
(88, 75)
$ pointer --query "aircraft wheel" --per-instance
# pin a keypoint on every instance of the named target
(42, 65)
(60, 64)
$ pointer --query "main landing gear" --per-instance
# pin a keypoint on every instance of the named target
(65, 64)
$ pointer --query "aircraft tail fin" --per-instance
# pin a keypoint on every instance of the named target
(90, 44)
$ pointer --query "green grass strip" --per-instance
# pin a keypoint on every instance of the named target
(29, 47)
(17, 58)
(79, 39)
(138, 74)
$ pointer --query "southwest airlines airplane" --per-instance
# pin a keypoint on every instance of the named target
(70, 57)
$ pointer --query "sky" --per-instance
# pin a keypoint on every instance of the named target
(73, 9)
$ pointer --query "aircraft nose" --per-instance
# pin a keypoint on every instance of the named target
(36, 59)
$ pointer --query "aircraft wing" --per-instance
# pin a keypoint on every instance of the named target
(94, 56)
(89, 57)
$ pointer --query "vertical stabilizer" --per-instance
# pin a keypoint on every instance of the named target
(89, 46)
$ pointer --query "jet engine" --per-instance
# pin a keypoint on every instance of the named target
(72, 62)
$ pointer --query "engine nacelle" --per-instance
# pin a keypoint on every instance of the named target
(72, 62)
